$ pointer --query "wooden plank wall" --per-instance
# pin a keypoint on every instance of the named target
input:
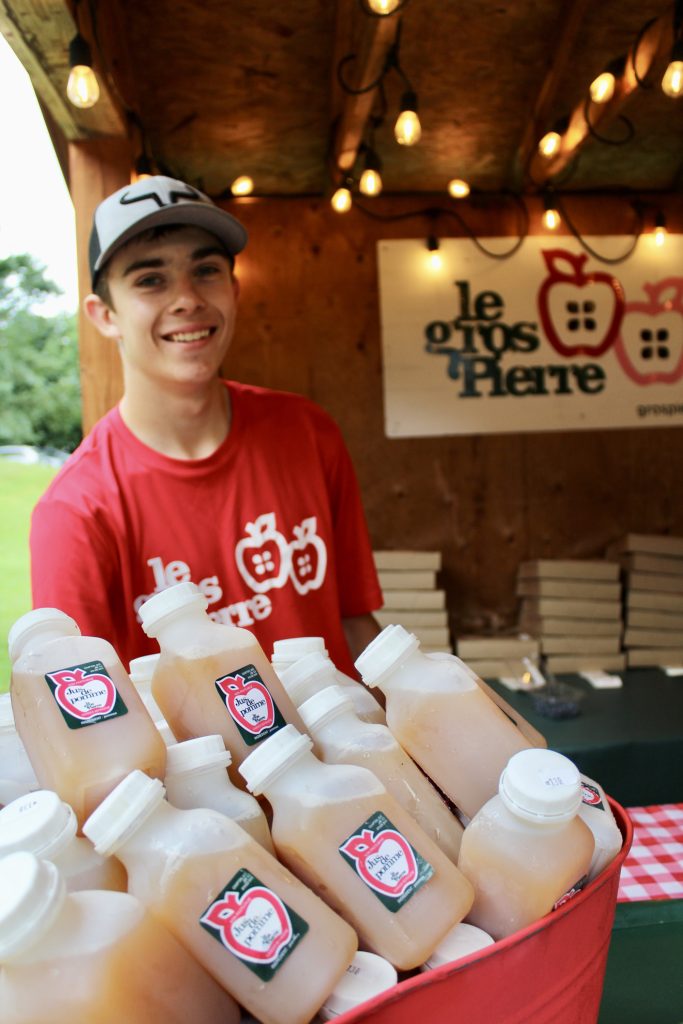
(309, 322)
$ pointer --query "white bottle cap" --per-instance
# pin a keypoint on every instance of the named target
(6, 713)
(141, 670)
(541, 785)
(33, 623)
(459, 942)
(32, 893)
(157, 607)
(122, 812)
(39, 822)
(384, 652)
(325, 705)
(310, 672)
(272, 756)
(295, 647)
(366, 976)
(197, 755)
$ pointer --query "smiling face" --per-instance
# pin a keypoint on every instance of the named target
(172, 309)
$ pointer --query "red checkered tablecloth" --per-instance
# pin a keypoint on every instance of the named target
(653, 869)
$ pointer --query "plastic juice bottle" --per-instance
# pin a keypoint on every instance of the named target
(402, 893)
(79, 716)
(526, 851)
(212, 678)
(16, 774)
(44, 825)
(141, 671)
(366, 976)
(287, 652)
(72, 958)
(266, 938)
(341, 738)
(596, 812)
(439, 714)
(196, 776)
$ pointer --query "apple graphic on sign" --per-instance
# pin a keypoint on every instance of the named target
(580, 312)
(650, 344)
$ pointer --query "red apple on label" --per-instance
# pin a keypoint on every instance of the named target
(249, 704)
(650, 344)
(308, 557)
(254, 925)
(580, 312)
(385, 860)
(262, 556)
(82, 695)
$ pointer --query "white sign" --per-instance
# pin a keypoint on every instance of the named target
(550, 339)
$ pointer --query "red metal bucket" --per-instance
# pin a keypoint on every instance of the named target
(548, 973)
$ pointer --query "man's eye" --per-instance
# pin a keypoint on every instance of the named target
(208, 270)
(149, 281)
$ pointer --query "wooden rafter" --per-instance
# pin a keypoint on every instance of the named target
(653, 47)
(40, 33)
(376, 36)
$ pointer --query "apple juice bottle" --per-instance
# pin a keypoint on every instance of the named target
(212, 678)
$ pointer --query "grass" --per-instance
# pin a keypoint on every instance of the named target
(20, 486)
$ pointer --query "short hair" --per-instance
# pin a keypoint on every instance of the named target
(101, 288)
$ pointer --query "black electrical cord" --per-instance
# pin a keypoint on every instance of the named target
(611, 260)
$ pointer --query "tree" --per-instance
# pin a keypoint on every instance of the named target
(39, 370)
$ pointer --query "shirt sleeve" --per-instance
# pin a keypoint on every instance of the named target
(359, 589)
(72, 566)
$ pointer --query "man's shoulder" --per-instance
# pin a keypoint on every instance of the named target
(286, 408)
(84, 472)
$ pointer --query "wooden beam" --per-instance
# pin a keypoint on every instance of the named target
(39, 33)
(375, 38)
(654, 47)
(573, 14)
(96, 169)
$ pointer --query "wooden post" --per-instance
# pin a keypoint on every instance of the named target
(96, 169)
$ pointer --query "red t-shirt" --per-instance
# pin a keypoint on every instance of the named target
(270, 527)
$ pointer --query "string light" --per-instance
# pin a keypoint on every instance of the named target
(672, 82)
(242, 186)
(550, 143)
(408, 130)
(602, 88)
(383, 7)
(551, 216)
(660, 229)
(82, 89)
(458, 188)
(342, 200)
(370, 183)
(435, 258)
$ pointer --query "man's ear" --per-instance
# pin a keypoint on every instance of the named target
(102, 316)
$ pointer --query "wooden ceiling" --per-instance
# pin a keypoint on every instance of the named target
(216, 89)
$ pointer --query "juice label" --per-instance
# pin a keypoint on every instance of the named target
(253, 923)
(250, 704)
(591, 796)
(85, 694)
(385, 860)
(571, 893)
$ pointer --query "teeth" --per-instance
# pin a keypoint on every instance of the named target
(190, 335)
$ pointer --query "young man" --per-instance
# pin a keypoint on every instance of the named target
(248, 492)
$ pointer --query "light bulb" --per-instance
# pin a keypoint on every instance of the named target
(551, 218)
(602, 87)
(407, 129)
(660, 235)
(83, 88)
(341, 200)
(435, 260)
(458, 188)
(370, 183)
(242, 186)
(550, 143)
(672, 82)
(383, 6)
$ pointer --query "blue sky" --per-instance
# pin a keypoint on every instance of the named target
(36, 213)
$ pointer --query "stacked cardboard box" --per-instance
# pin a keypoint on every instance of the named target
(498, 656)
(412, 598)
(652, 568)
(573, 607)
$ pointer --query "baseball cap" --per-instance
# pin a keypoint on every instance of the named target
(152, 202)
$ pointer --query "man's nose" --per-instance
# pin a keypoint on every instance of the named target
(186, 296)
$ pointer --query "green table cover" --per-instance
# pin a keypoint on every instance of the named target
(644, 977)
(629, 739)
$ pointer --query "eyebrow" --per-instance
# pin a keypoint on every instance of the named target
(154, 263)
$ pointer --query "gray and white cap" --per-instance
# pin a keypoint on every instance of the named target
(149, 203)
